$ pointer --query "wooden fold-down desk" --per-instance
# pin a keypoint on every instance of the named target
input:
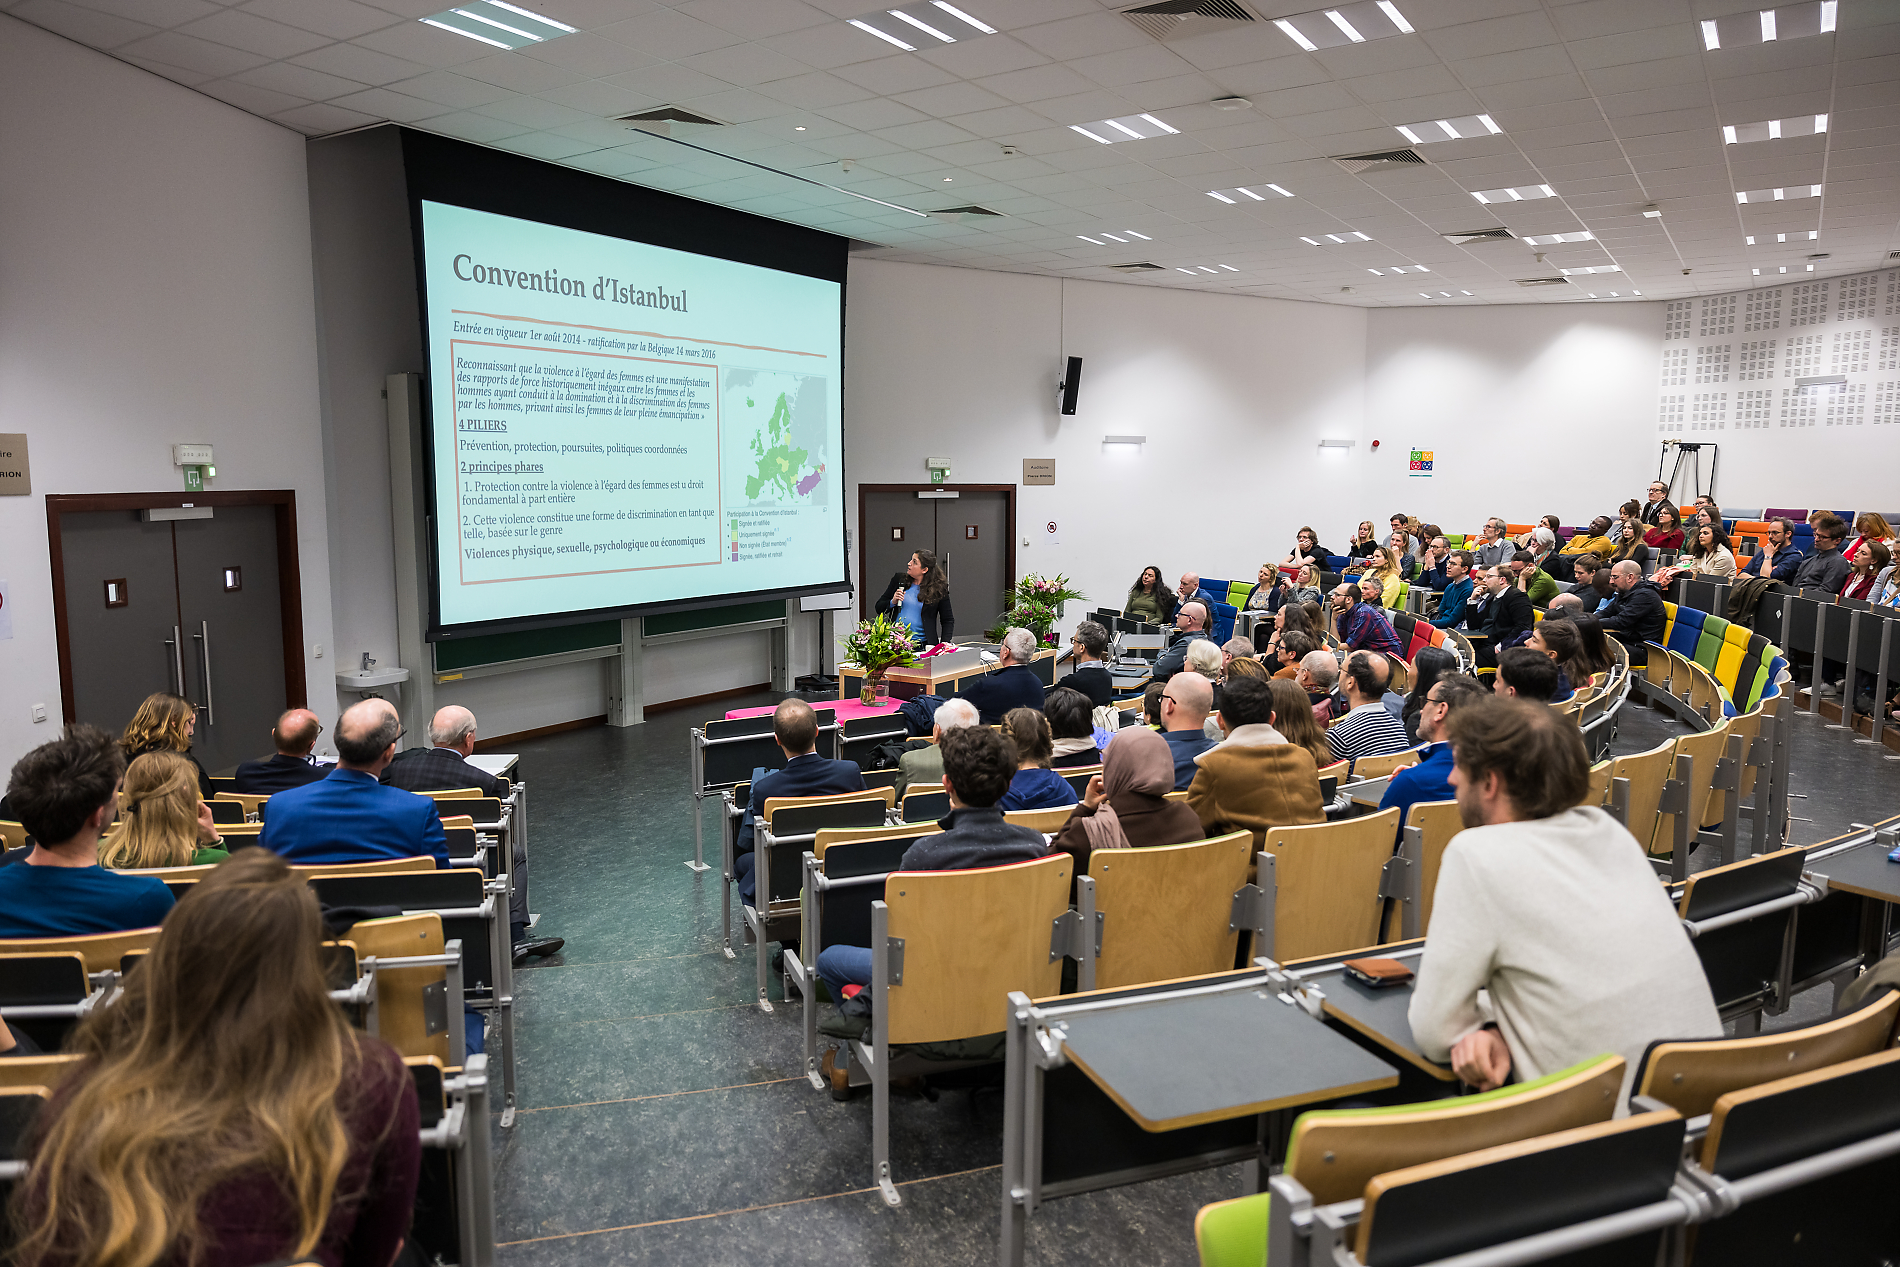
(1381, 1014)
(939, 675)
(1118, 1086)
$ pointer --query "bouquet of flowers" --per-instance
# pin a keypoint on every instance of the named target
(880, 644)
(1035, 603)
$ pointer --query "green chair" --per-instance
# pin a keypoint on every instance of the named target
(1334, 1153)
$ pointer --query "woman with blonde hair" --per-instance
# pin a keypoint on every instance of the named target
(1868, 526)
(223, 1112)
(164, 723)
(163, 821)
(1293, 717)
(1382, 565)
(1364, 542)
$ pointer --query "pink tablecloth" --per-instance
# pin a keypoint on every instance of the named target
(847, 709)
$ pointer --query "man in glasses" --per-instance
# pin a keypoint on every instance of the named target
(1430, 779)
(1825, 569)
(294, 735)
(1185, 703)
(1658, 498)
(349, 816)
(1779, 558)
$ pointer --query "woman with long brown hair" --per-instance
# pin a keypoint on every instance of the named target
(164, 723)
(163, 821)
(1293, 717)
(919, 596)
(1667, 534)
(224, 1113)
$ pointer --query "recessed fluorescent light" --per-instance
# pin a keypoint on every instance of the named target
(1767, 25)
(1594, 268)
(1651, 213)
(1423, 295)
(1310, 241)
(1131, 233)
(1828, 8)
(921, 25)
(1205, 269)
(1086, 238)
(1335, 237)
(1375, 272)
(1710, 38)
(1293, 34)
(1251, 194)
(1158, 123)
(1190, 272)
(1774, 129)
(1123, 127)
(888, 39)
(507, 26)
(1112, 238)
(1076, 127)
(1781, 194)
(1749, 241)
(1230, 268)
(1130, 127)
(1284, 193)
(961, 16)
(1421, 268)
(1461, 128)
(1345, 26)
(1517, 193)
(1398, 19)
(1464, 292)
(1215, 193)
(1551, 239)
(1410, 135)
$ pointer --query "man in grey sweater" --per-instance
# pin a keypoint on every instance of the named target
(1551, 939)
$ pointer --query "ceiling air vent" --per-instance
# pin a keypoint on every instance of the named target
(1383, 161)
(1143, 267)
(1171, 20)
(660, 122)
(1543, 281)
(1472, 236)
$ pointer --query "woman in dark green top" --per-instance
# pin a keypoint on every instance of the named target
(1148, 599)
(164, 822)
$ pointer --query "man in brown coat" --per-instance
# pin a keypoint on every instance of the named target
(1254, 779)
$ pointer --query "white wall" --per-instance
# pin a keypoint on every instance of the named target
(154, 287)
(1528, 411)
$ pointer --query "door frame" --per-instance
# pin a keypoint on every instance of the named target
(289, 574)
(1009, 517)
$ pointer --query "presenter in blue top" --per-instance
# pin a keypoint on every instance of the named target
(919, 596)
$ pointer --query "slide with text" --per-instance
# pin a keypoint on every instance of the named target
(617, 423)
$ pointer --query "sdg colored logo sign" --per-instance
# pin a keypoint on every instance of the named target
(1421, 462)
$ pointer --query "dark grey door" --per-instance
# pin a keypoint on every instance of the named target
(896, 525)
(976, 565)
(123, 643)
(233, 631)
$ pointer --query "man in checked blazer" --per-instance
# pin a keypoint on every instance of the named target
(444, 767)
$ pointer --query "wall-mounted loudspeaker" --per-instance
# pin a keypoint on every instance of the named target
(1071, 385)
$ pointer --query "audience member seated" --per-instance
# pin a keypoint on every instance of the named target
(445, 767)
(1305, 587)
(224, 1111)
(1432, 574)
(1151, 703)
(1429, 779)
(1035, 785)
(1868, 526)
(1254, 779)
(1665, 527)
(922, 761)
(1592, 540)
(1207, 659)
(1592, 586)
(66, 793)
(1088, 649)
(1403, 549)
(1526, 674)
(1628, 536)
(1551, 907)
(1012, 684)
(1293, 618)
(1506, 617)
(1237, 649)
(164, 723)
(1268, 592)
(1431, 665)
(348, 816)
(294, 735)
(1189, 591)
(1294, 647)
(1825, 569)
(1865, 569)
(1148, 599)
(1072, 725)
(1494, 547)
(1126, 805)
(1306, 549)
(1319, 673)
(805, 773)
(1293, 718)
(1454, 599)
(1778, 558)
(1365, 539)
(1658, 501)
(1381, 582)
(1558, 640)
(1542, 540)
(978, 768)
(1186, 701)
(1532, 581)
(1238, 667)
(163, 821)
(1708, 556)
(1190, 625)
(1635, 616)
(1368, 728)
(1363, 626)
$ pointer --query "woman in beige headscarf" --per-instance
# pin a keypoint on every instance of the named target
(1126, 805)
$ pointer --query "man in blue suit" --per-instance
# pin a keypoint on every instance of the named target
(795, 730)
(349, 816)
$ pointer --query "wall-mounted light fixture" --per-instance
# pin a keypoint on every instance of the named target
(1123, 442)
(1337, 444)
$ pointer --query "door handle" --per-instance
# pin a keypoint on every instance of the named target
(176, 662)
(203, 639)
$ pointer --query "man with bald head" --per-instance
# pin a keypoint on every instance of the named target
(1190, 625)
(294, 735)
(805, 773)
(350, 816)
(1186, 701)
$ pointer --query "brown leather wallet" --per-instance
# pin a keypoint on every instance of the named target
(1377, 973)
